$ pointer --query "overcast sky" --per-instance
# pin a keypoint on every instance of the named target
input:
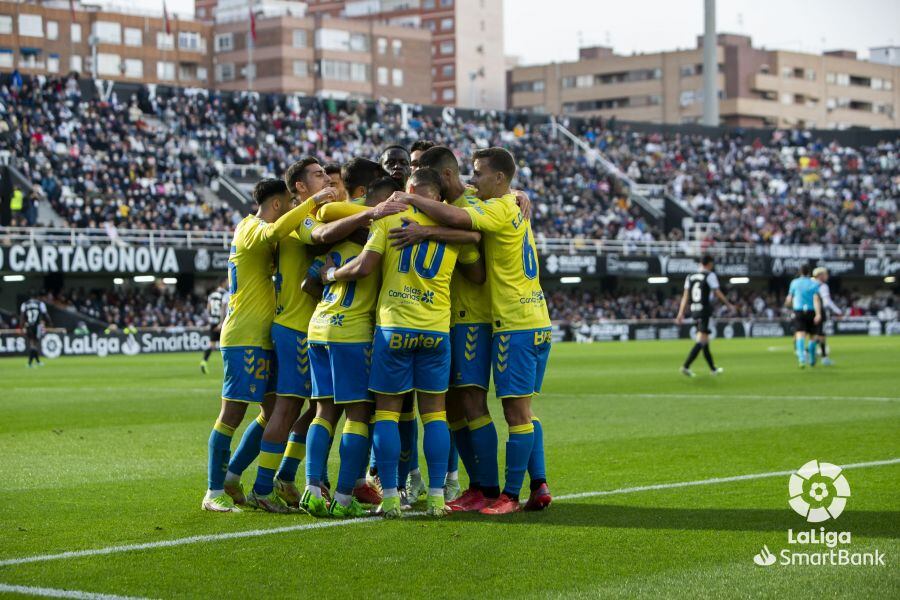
(550, 30)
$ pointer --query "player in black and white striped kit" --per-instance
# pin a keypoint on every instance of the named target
(216, 305)
(699, 289)
(828, 308)
(33, 318)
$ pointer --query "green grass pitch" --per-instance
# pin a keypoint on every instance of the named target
(104, 452)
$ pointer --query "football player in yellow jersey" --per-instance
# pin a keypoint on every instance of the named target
(333, 170)
(521, 323)
(415, 152)
(411, 349)
(340, 340)
(245, 342)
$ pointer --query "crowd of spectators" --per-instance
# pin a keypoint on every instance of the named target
(147, 164)
(121, 308)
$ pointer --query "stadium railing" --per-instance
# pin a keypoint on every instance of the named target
(222, 239)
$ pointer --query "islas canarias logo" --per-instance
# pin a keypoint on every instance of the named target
(818, 491)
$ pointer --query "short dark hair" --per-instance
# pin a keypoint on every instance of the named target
(428, 178)
(500, 159)
(332, 168)
(361, 172)
(297, 171)
(707, 259)
(268, 187)
(438, 158)
(422, 145)
(804, 270)
(391, 147)
(384, 184)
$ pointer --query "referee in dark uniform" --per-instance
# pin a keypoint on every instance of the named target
(216, 305)
(699, 289)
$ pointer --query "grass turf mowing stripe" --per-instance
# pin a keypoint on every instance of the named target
(727, 397)
(55, 593)
(325, 524)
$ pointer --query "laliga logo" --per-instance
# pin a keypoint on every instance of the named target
(51, 345)
(818, 491)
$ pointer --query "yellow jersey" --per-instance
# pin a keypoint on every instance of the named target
(517, 300)
(345, 312)
(469, 302)
(294, 307)
(415, 293)
(251, 303)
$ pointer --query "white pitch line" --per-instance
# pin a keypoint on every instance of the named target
(325, 524)
(727, 397)
(55, 593)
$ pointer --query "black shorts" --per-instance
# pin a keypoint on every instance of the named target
(804, 320)
(214, 333)
(32, 334)
(820, 328)
(702, 322)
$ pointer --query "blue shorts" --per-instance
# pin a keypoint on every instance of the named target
(249, 373)
(519, 359)
(408, 359)
(291, 352)
(470, 347)
(340, 371)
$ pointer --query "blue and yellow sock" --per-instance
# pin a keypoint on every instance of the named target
(436, 444)
(219, 451)
(453, 459)
(294, 453)
(324, 479)
(270, 454)
(354, 447)
(387, 447)
(317, 444)
(459, 432)
(371, 462)
(537, 469)
(483, 434)
(801, 351)
(409, 447)
(518, 451)
(248, 448)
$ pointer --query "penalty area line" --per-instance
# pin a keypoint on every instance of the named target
(27, 590)
(196, 539)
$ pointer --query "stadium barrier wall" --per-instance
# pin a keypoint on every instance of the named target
(56, 343)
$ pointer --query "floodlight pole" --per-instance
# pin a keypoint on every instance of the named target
(710, 66)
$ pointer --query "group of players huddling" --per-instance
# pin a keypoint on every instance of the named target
(369, 289)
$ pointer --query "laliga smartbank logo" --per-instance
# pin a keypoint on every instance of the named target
(818, 492)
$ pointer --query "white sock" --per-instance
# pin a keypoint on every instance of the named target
(361, 481)
(390, 493)
(453, 476)
(232, 477)
(343, 499)
(213, 494)
(314, 490)
(436, 492)
(416, 473)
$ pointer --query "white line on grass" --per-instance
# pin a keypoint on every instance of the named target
(54, 593)
(325, 524)
(727, 397)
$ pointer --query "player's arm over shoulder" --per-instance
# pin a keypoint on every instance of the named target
(492, 215)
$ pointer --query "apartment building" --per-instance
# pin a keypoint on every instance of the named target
(466, 53)
(757, 87)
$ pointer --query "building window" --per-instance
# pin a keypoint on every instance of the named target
(446, 3)
(584, 81)
(654, 99)
(447, 23)
(686, 70)
(53, 63)
(76, 32)
(31, 25)
(381, 45)
(359, 42)
(165, 41)
(299, 38)
(300, 68)
(225, 72)
(687, 98)
(134, 68)
(397, 47)
(75, 63)
(201, 74)
(189, 40)
(6, 58)
(52, 31)
(108, 32)
(359, 72)
(382, 75)
(133, 37)
(447, 47)
(397, 77)
(225, 42)
(809, 74)
(5, 24)
(427, 4)
(165, 71)
(344, 71)
(430, 25)
(448, 95)
(787, 98)
(109, 64)
(447, 70)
